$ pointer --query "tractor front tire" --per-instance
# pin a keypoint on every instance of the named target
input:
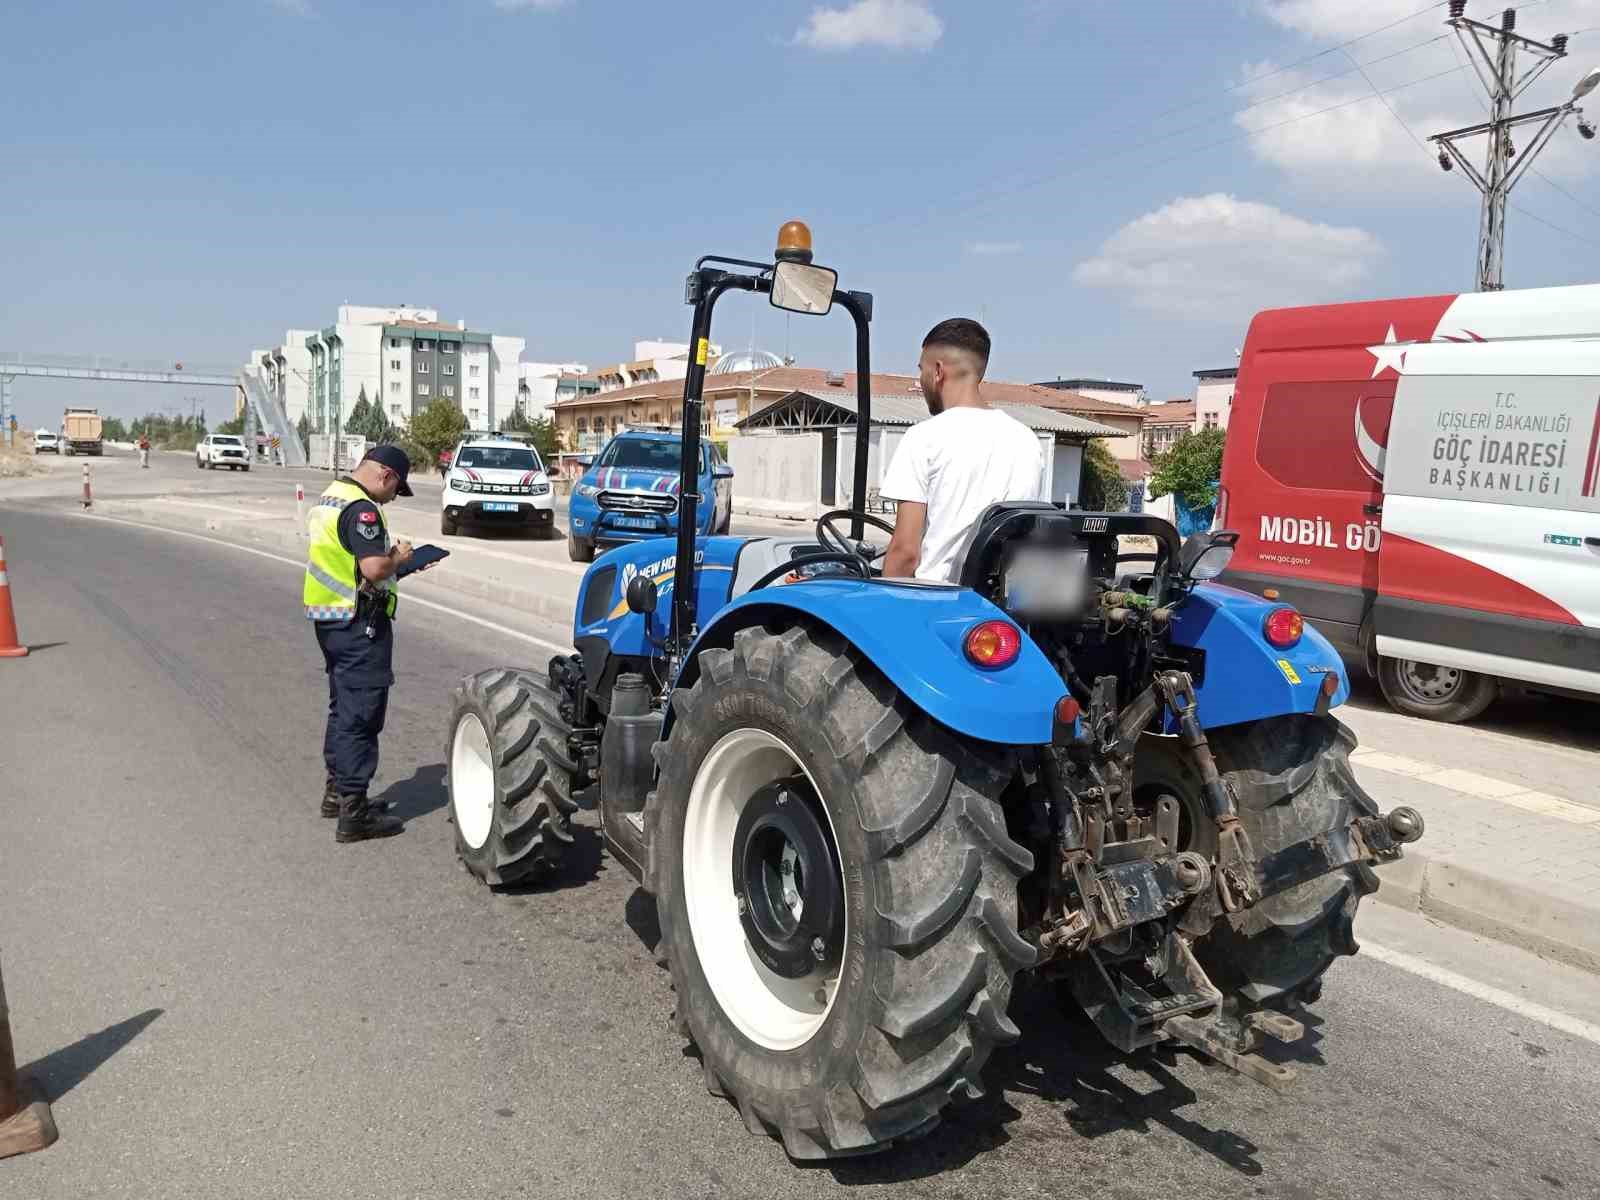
(510, 776)
(909, 995)
(1291, 780)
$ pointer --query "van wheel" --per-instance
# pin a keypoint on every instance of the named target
(1435, 693)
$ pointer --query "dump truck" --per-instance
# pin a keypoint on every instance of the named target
(82, 431)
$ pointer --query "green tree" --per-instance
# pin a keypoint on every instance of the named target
(517, 422)
(113, 430)
(1190, 469)
(376, 428)
(1101, 487)
(418, 455)
(360, 414)
(304, 430)
(437, 428)
(235, 426)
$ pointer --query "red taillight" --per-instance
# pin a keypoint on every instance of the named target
(1283, 627)
(992, 644)
(1068, 710)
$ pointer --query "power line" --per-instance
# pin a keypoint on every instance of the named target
(1398, 118)
(1421, 12)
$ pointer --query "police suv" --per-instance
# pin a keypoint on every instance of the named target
(496, 481)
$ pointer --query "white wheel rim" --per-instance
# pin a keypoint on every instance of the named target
(774, 1012)
(472, 781)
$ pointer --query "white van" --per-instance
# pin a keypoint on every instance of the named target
(1422, 479)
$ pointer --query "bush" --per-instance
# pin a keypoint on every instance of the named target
(1101, 487)
(1190, 469)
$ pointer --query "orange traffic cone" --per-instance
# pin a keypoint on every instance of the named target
(10, 647)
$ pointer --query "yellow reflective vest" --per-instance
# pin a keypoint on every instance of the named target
(332, 578)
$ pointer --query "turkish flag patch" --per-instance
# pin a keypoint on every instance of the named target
(368, 517)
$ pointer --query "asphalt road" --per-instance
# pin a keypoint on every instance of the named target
(224, 1002)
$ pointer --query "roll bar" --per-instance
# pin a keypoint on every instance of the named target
(705, 286)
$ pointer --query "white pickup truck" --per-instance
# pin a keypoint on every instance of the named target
(222, 450)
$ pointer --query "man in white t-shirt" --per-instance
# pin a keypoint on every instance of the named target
(952, 467)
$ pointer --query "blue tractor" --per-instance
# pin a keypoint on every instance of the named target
(862, 805)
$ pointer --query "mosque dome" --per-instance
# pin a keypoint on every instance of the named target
(746, 360)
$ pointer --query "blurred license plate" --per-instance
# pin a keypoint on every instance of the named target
(1046, 581)
(635, 522)
(498, 506)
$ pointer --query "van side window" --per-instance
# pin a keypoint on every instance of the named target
(1322, 435)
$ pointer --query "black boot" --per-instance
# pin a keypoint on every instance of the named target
(359, 820)
(330, 801)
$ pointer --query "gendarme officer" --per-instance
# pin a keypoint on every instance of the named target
(350, 594)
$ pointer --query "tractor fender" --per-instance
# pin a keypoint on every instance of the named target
(1245, 677)
(913, 634)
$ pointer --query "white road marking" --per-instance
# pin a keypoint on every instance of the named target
(1474, 783)
(1482, 991)
(495, 626)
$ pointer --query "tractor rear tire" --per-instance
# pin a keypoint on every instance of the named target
(510, 777)
(1291, 780)
(921, 974)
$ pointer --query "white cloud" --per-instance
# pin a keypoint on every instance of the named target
(1339, 20)
(891, 24)
(994, 248)
(1359, 134)
(1427, 82)
(1220, 258)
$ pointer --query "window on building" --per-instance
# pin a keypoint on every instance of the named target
(394, 364)
(422, 346)
(422, 367)
(394, 387)
(473, 370)
(447, 369)
(423, 389)
(583, 425)
(394, 343)
(1211, 420)
(447, 347)
(472, 393)
(475, 416)
(394, 410)
(447, 390)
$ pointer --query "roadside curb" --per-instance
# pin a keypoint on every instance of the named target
(1499, 909)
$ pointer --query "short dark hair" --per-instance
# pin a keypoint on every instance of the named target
(964, 334)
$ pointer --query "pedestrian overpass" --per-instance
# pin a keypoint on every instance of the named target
(263, 409)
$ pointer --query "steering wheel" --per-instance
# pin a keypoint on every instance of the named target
(834, 541)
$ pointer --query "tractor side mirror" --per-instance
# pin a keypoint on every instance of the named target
(803, 288)
(1206, 555)
(641, 595)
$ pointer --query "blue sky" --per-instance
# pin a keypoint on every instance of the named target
(188, 180)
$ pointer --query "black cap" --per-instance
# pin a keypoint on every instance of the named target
(395, 459)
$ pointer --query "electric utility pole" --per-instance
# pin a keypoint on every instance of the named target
(1493, 54)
